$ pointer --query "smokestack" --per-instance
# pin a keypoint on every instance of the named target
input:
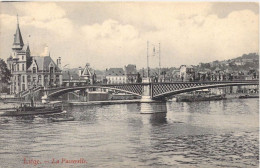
(80, 71)
(59, 62)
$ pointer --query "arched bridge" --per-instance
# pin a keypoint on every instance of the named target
(153, 90)
(134, 89)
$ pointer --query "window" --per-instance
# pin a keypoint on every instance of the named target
(23, 67)
(28, 78)
(57, 79)
(17, 67)
(23, 79)
(51, 70)
(22, 57)
(40, 79)
(19, 80)
(12, 67)
(34, 69)
(45, 79)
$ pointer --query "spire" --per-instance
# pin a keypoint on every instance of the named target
(28, 48)
(18, 40)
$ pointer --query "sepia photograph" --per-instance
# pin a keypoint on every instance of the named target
(128, 84)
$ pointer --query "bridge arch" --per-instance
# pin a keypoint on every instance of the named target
(67, 90)
(184, 90)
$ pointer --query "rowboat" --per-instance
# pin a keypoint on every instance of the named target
(62, 119)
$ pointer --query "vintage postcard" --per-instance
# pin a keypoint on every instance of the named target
(129, 84)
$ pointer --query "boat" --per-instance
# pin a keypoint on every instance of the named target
(199, 96)
(30, 109)
(248, 96)
(62, 119)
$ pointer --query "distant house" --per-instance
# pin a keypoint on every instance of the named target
(115, 76)
(86, 74)
(74, 77)
(214, 63)
(187, 73)
(239, 62)
(248, 60)
(131, 73)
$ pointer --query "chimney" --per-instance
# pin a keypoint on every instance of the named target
(59, 62)
(80, 71)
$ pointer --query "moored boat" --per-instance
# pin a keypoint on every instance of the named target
(62, 119)
(199, 96)
(248, 96)
(30, 109)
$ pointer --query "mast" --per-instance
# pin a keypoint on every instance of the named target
(17, 19)
(147, 60)
(159, 61)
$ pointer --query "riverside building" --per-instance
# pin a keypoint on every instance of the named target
(31, 71)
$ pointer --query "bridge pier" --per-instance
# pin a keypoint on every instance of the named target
(147, 93)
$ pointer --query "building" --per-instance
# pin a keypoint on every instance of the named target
(80, 76)
(131, 73)
(239, 62)
(176, 75)
(248, 60)
(31, 71)
(115, 76)
(187, 73)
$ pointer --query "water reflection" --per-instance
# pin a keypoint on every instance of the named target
(226, 114)
(199, 134)
(150, 108)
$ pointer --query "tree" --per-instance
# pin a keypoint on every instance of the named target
(5, 73)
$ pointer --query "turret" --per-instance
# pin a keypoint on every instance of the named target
(18, 40)
(28, 51)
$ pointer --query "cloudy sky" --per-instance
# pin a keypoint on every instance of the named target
(114, 34)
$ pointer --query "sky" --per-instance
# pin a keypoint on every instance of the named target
(114, 34)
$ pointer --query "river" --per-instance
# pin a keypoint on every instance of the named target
(198, 134)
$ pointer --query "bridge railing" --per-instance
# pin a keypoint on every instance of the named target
(153, 83)
(210, 82)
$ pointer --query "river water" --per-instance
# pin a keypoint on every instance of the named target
(198, 134)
